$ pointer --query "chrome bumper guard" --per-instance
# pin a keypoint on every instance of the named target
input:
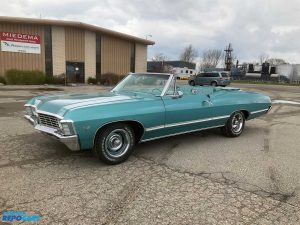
(70, 141)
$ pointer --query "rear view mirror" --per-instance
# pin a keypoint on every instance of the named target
(178, 94)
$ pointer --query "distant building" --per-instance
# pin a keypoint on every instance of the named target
(76, 49)
(160, 66)
(181, 68)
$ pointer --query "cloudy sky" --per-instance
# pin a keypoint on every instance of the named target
(252, 26)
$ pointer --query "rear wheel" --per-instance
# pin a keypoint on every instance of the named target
(114, 143)
(235, 125)
(192, 83)
(214, 84)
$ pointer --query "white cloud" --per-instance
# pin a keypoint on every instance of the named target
(252, 26)
(284, 29)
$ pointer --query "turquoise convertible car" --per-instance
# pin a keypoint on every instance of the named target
(142, 107)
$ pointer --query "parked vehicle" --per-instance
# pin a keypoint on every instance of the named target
(183, 73)
(142, 107)
(210, 78)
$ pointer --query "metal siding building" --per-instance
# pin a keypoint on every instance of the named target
(64, 46)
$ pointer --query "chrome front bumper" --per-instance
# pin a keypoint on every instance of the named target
(70, 141)
(270, 108)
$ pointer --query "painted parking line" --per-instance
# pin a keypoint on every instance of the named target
(285, 102)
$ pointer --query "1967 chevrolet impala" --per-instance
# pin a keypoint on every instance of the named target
(142, 107)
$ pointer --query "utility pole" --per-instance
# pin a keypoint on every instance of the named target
(228, 57)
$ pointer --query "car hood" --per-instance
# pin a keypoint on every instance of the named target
(61, 104)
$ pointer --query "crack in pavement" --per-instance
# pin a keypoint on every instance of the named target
(281, 197)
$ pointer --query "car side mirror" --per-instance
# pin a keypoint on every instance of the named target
(178, 94)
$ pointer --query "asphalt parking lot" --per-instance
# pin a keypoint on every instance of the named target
(199, 178)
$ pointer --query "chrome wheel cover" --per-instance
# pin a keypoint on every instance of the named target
(237, 123)
(117, 143)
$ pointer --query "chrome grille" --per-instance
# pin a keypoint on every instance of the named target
(48, 121)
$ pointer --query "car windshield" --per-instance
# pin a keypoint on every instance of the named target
(144, 83)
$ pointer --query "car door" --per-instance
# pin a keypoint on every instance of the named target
(189, 112)
(215, 77)
(206, 78)
(198, 79)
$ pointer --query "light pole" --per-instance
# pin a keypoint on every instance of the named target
(148, 35)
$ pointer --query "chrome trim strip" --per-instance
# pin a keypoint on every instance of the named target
(66, 121)
(184, 132)
(259, 111)
(197, 121)
(155, 128)
(186, 123)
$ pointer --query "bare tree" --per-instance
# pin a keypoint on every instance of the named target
(211, 58)
(189, 54)
(167, 68)
(263, 58)
(161, 65)
(159, 57)
(276, 61)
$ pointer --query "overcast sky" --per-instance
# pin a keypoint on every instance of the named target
(252, 26)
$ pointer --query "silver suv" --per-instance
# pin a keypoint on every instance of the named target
(210, 78)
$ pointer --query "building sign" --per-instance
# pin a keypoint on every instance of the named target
(16, 42)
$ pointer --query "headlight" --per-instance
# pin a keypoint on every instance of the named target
(29, 110)
(66, 127)
(34, 112)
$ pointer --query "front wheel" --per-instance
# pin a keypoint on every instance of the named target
(235, 125)
(214, 84)
(115, 143)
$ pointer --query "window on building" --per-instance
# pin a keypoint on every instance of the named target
(181, 71)
(191, 72)
(98, 57)
(186, 71)
(48, 52)
(132, 58)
